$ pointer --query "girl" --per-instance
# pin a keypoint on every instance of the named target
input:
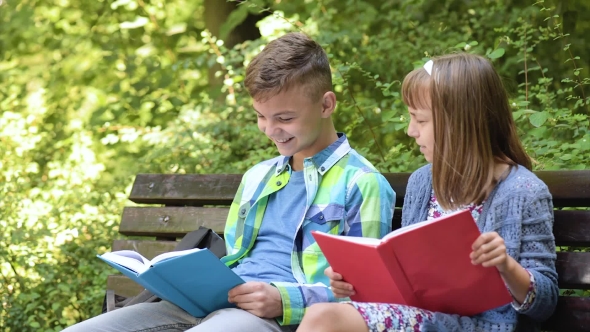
(461, 119)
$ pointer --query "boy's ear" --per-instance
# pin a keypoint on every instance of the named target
(328, 104)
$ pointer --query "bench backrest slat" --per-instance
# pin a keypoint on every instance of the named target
(213, 189)
(148, 248)
(573, 270)
(185, 189)
(170, 221)
(571, 315)
(568, 188)
(572, 228)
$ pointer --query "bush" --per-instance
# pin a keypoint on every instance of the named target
(93, 92)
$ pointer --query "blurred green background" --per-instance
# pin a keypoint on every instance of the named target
(94, 92)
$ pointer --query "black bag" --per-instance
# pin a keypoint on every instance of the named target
(200, 238)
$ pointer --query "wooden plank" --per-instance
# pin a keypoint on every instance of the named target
(148, 248)
(568, 188)
(211, 189)
(171, 221)
(572, 315)
(123, 286)
(573, 270)
(397, 219)
(185, 189)
(399, 182)
(177, 221)
(572, 228)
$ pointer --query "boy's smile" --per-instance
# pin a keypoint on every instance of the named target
(282, 141)
(299, 126)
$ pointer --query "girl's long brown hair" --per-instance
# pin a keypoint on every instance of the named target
(473, 125)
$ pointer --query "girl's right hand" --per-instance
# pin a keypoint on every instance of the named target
(339, 288)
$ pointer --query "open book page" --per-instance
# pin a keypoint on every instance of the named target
(414, 226)
(134, 261)
(133, 255)
(172, 254)
(129, 259)
(376, 242)
(356, 239)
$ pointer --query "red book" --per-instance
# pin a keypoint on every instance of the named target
(425, 265)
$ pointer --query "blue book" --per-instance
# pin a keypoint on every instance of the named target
(195, 279)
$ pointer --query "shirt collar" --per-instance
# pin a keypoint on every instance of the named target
(323, 160)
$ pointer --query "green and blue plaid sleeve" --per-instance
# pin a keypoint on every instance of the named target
(370, 206)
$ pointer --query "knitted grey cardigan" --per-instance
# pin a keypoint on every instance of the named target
(520, 209)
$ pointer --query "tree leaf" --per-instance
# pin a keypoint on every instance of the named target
(539, 118)
(497, 53)
(566, 156)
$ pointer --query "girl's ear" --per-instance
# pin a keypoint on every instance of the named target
(328, 104)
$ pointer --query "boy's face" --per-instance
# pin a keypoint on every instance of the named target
(295, 122)
(421, 128)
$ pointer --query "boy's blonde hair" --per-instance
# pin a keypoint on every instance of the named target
(293, 59)
(473, 125)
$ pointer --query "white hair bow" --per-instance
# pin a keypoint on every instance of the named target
(428, 67)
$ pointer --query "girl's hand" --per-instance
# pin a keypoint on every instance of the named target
(489, 250)
(339, 288)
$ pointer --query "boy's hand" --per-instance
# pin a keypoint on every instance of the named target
(258, 298)
(339, 288)
(489, 250)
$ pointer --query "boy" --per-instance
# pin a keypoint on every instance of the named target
(318, 183)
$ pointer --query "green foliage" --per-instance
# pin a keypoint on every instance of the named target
(71, 75)
(54, 218)
(93, 92)
(552, 111)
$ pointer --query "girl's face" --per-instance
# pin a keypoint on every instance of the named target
(421, 128)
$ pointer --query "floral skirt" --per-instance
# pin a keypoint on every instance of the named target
(384, 317)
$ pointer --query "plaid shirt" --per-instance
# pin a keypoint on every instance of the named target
(345, 195)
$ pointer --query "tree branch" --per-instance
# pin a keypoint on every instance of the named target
(526, 76)
(364, 118)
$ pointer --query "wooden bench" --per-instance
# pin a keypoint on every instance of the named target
(182, 203)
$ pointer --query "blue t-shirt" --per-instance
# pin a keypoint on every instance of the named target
(270, 258)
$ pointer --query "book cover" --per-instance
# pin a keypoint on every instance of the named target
(425, 265)
(197, 281)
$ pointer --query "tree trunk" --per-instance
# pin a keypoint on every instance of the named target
(216, 13)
